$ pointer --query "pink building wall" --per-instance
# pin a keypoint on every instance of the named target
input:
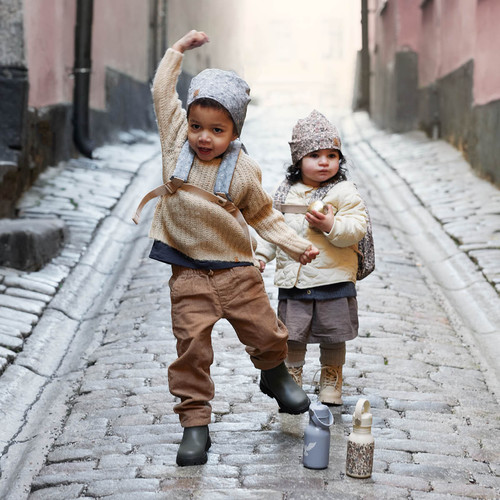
(119, 41)
(434, 66)
(387, 33)
(486, 52)
(49, 33)
(447, 38)
(395, 28)
(408, 24)
(445, 34)
(429, 50)
(456, 34)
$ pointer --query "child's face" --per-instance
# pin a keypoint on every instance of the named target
(319, 166)
(210, 131)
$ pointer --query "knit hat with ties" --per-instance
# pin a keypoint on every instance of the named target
(225, 87)
(311, 134)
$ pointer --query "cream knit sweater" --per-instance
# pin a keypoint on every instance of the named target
(198, 228)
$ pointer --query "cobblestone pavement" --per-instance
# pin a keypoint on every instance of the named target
(72, 191)
(417, 359)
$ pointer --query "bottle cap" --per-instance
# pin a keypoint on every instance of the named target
(362, 416)
(320, 414)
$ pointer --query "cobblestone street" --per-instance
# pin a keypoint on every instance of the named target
(425, 356)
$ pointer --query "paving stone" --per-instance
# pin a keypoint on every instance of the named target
(414, 446)
(27, 294)
(413, 483)
(150, 495)
(117, 460)
(61, 492)
(429, 472)
(284, 484)
(21, 317)
(27, 284)
(465, 464)
(54, 475)
(11, 343)
(71, 451)
(237, 494)
(106, 487)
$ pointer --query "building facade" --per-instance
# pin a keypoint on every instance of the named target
(434, 66)
(39, 45)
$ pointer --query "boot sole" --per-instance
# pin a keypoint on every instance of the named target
(284, 408)
(199, 460)
(332, 403)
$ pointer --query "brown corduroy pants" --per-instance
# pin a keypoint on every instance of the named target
(199, 299)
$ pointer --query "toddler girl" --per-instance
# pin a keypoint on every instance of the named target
(318, 302)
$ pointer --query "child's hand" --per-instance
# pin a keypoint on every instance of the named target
(318, 220)
(262, 266)
(190, 40)
(309, 255)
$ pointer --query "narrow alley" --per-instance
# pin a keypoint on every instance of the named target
(105, 425)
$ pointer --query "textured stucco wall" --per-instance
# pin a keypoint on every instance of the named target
(119, 42)
(447, 40)
(49, 35)
(394, 63)
(486, 67)
(221, 20)
(438, 61)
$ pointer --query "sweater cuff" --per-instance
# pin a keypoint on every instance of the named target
(175, 51)
(297, 250)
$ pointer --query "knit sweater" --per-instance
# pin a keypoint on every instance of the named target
(197, 228)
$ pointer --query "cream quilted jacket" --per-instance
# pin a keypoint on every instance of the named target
(337, 261)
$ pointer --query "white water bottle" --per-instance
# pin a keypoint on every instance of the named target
(360, 444)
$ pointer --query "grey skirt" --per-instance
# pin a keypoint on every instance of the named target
(320, 321)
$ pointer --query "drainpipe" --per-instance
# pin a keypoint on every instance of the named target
(81, 72)
(365, 59)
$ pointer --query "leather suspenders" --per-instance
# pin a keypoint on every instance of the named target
(219, 197)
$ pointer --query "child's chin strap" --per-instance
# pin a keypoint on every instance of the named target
(220, 195)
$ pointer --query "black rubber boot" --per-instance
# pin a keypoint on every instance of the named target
(277, 383)
(194, 446)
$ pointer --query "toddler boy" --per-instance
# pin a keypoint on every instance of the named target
(214, 272)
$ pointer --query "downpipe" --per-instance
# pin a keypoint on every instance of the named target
(81, 72)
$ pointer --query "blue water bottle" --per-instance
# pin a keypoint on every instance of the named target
(317, 437)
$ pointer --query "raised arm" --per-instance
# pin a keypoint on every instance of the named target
(168, 108)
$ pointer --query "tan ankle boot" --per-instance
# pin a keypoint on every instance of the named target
(296, 373)
(330, 385)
